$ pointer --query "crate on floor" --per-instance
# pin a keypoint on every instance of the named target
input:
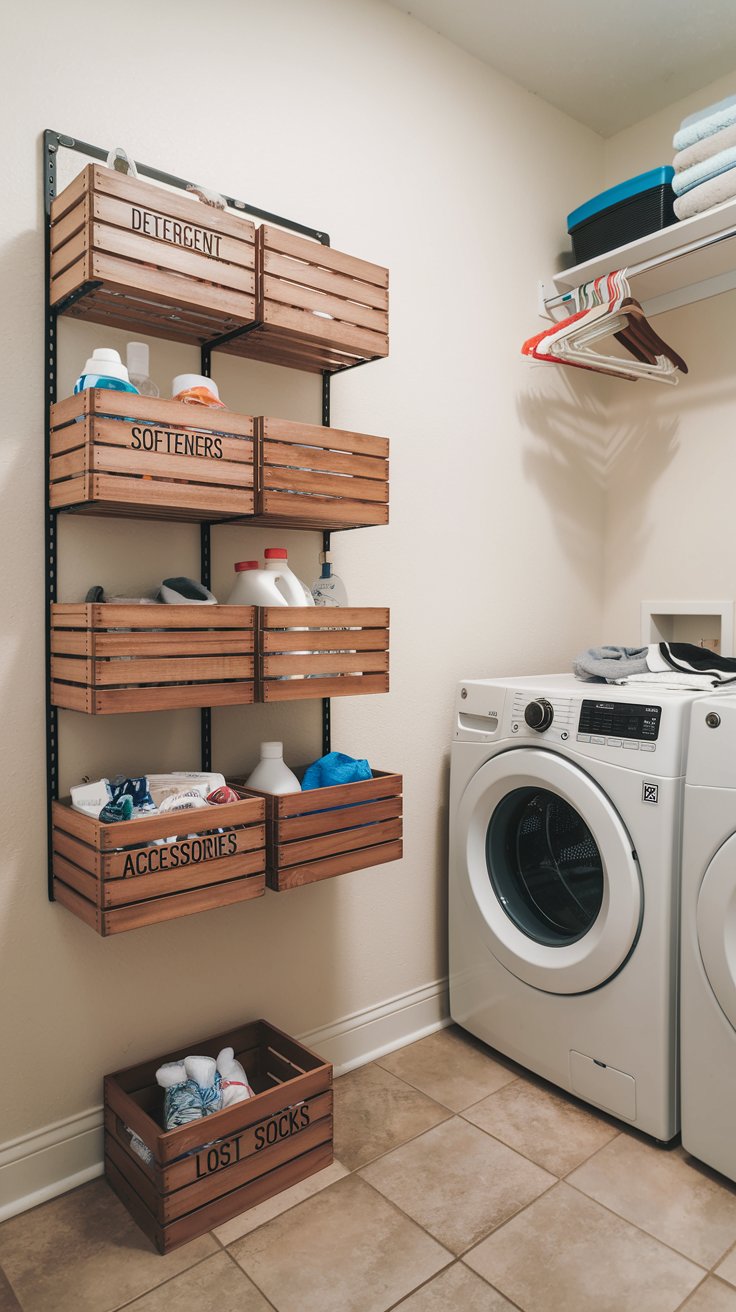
(121, 876)
(108, 659)
(321, 651)
(211, 1170)
(113, 453)
(128, 254)
(310, 476)
(317, 308)
(331, 831)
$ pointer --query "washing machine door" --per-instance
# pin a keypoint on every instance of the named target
(550, 871)
(716, 927)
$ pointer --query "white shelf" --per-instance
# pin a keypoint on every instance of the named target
(689, 261)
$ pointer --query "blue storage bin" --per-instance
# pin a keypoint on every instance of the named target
(623, 213)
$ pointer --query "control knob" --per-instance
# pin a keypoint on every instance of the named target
(539, 714)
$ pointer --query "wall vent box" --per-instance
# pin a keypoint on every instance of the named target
(704, 623)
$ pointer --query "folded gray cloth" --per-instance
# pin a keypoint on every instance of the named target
(607, 664)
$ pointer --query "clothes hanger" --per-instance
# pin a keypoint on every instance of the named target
(606, 308)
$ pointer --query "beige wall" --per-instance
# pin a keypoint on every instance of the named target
(413, 154)
(670, 528)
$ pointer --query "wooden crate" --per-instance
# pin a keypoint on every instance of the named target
(321, 651)
(108, 658)
(317, 309)
(117, 454)
(310, 476)
(211, 1170)
(116, 877)
(149, 260)
(331, 831)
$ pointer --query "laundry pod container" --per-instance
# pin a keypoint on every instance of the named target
(622, 214)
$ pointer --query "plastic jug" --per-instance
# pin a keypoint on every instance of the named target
(255, 587)
(272, 775)
(295, 592)
(328, 589)
(104, 369)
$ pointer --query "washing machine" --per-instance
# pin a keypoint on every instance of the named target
(708, 982)
(565, 841)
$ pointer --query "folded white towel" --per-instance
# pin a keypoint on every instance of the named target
(705, 127)
(704, 171)
(680, 682)
(707, 195)
(708, 111)
(705, 149)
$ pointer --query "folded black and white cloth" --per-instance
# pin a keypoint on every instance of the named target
(691, 659)
(661, 664)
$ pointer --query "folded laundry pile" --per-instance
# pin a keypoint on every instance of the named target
(705, 160)
(154, 794)
(194, 1088)
(662, 664)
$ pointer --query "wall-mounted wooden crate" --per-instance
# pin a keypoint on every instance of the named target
(317, 308)
(149, 260)
(210, 1170)
(331, 831)
(309, 476)
(108, 658)
(321, 651)
(117, 877)
(117, 454)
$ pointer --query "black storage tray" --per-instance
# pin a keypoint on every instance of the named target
(626, 221)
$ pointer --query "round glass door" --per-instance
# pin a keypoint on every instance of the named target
(545, 866)
(549, 871)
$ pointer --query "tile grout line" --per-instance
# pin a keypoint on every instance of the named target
(248, 1276)
(612, 1212)
(118, 1307)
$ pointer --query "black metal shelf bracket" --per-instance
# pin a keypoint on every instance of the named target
(52, 143)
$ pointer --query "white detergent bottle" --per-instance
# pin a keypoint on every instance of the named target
(296, 592)
(328, 589)
(255, 587)
(272, 775)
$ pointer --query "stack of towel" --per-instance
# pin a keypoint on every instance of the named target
(706, 159)
(680, 665)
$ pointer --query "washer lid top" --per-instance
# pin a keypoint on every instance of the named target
(716, 927)
(550, 871)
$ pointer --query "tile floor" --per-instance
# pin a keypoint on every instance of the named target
(462, 1184)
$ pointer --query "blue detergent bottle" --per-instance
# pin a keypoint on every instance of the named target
(106, 370)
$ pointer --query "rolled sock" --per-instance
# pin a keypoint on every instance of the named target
(183, 1097)
(234, 1081)
(188, 801)
(121, 809)
(203, 1071)
(137, 789)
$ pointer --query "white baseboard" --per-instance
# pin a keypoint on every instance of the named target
(67, 1153)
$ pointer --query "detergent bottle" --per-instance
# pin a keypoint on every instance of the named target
(328, 589)
(104, 369)
(272, 774)
(295, 592)
(255, 587)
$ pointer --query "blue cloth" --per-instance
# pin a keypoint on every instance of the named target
(714, 119)
(335, 768)
(704, 171)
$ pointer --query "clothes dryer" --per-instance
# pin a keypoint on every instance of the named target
(708, 982)
(565, 839)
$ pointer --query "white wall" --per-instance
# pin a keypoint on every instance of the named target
(670, 528)
(411, 153)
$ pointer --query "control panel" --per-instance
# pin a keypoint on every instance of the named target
(619, 724)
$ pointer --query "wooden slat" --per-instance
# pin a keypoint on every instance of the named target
(217, 451)
(135, 1205)
(84, 910)
(289, 690)
(329, 867)
(310, 511)
(323, 663)
(70, 196)
(70, 280)
(173, 858)
(177, 203)
(303, 248)
(323, 617)
(198, 497)
(78, 853)
(120, 460)
(325, 845)
(146, 829)
(319, 799)
(118, 701)
(169, 643)
(156, 910)
(72, 697)
(357, 640)
(309, 298)
(68, 254)
(134, 248)
(327, 280)
(304, 826)
(75, 878)
(169, 669)
(330, 332)
(203, 874)
(155, 410)
(118, 615)
(237, 308)
(326, 485)
(115, 213)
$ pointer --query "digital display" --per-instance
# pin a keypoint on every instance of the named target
(620, 720)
